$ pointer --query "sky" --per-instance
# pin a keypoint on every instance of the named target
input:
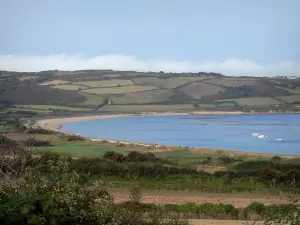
(233, 37)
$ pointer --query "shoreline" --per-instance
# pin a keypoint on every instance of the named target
(55, 124)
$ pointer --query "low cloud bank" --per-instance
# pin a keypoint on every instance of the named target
(235, 67)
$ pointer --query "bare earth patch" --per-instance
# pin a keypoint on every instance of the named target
(238, 200)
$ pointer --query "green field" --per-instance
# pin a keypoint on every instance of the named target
(257, 101)
(198, 90)
(142, 97)
(119, 90)
(92, 100)
(229, 82)
(226, 104)
(85, 150)
(52, 107)
(68, 87)
(29, 110)
(55, 82)
(105, 83)
(291, 98)
(171, 82)
(146, 108)
(292, 91)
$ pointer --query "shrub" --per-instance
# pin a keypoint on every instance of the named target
(6, 143)
(114, 156)
(75, 138)
(32, 142)
(38, 131)
(275, 159)
(226, 159)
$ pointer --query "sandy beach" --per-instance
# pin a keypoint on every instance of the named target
(56, 123)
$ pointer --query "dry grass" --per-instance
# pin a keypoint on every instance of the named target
(239, 200)
(55, 82)
(68, 87)
(198, 90)
(119, 90)
(105, 83)
(27, 78)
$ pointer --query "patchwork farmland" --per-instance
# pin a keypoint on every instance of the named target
(130, 91)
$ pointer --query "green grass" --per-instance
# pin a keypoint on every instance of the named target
(256, 101)
(229, 82)
(226, 104)
(293, 91)
(68, 87)
(29, 110)
(105, 83)
(146, 108)
(86, 150)
(142, 97)
(291, 98)
(119, 90)
(182, 156)
(52, 107)
(55, 82)
(198, 90)
(92, 100)
(172, 82)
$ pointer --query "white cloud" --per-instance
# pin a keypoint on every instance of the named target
(120, 62)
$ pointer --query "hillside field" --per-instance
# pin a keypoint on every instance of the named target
(130, 91)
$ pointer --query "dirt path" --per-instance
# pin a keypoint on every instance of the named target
(239, 200)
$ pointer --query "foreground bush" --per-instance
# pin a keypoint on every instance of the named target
(58, 196)
(32, 142)
(31, 130)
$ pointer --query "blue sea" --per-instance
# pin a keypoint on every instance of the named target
(278, 134)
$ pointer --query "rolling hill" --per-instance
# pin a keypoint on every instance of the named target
(94, 91)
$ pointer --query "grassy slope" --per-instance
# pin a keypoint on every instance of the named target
(232, 82)
(291, 98)
(257, 101)
(119, 90)
(171, 82)
(52, 107)
(142, 97)
(105, 83)
(146, 108)
(198, 90)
